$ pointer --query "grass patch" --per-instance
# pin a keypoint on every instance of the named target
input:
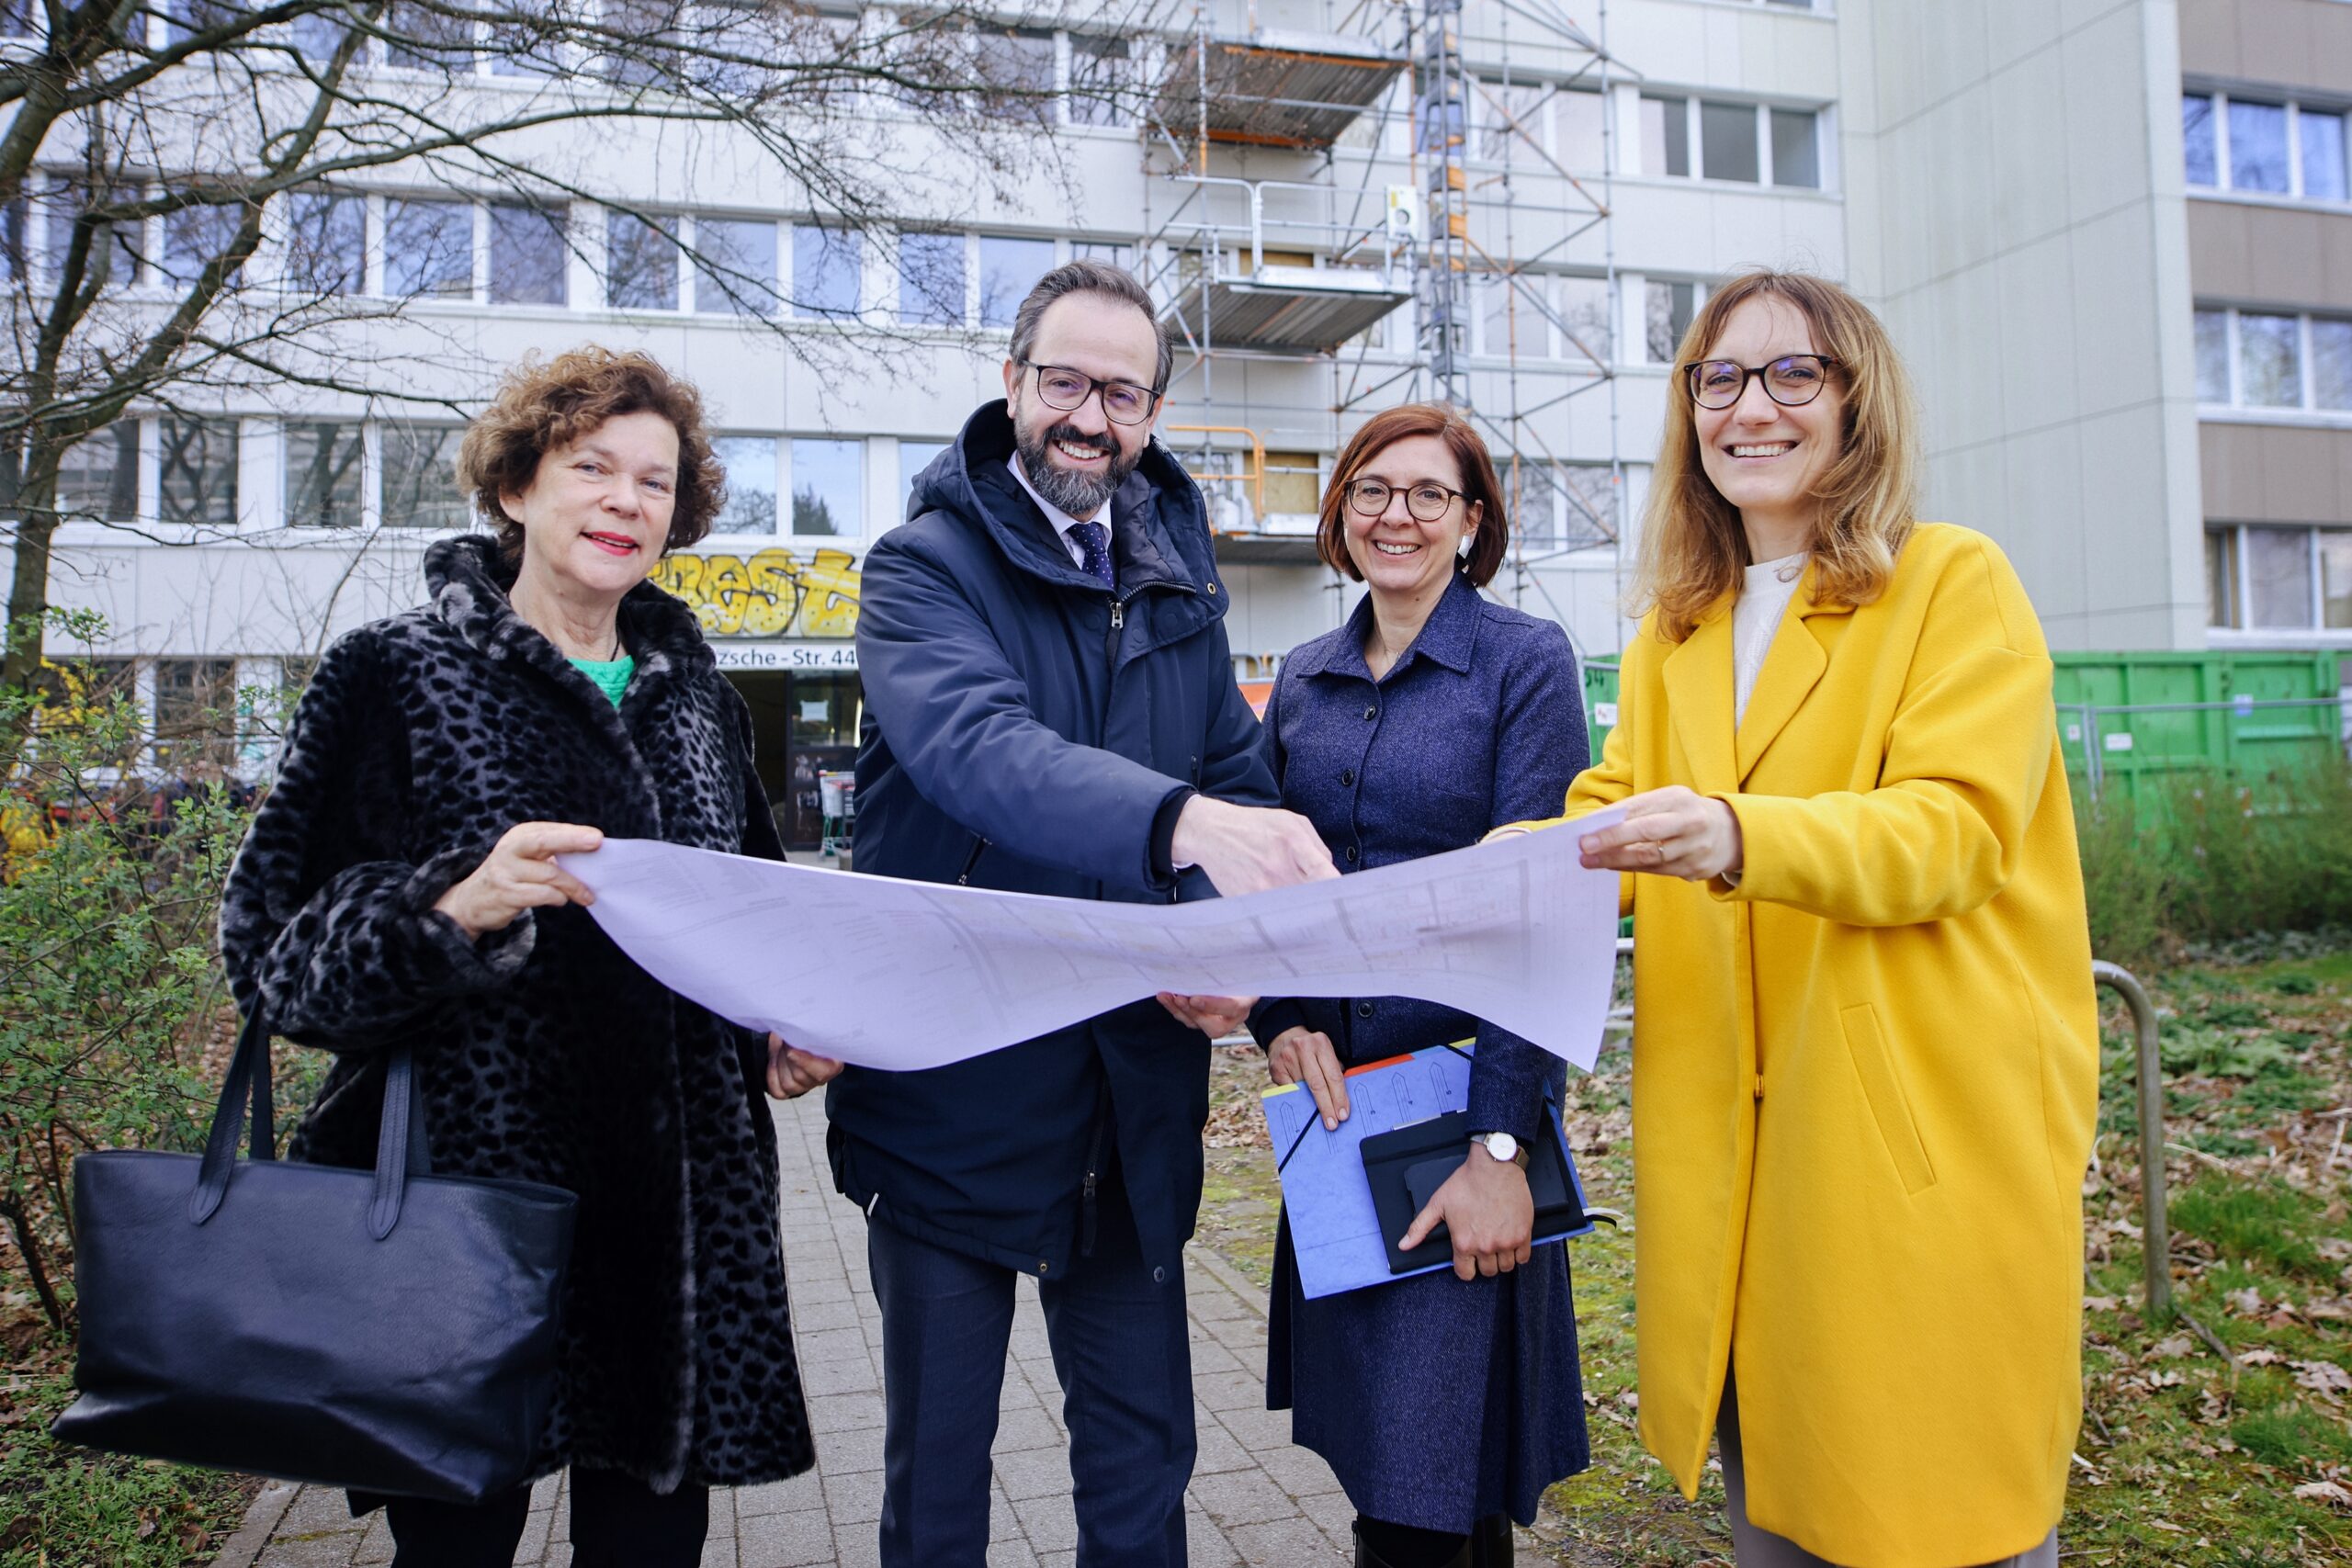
(2253, 1221)
(67, 1508)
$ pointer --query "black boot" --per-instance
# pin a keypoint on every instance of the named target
(1491, 1543)
(1367, 1556)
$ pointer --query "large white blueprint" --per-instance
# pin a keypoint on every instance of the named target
(904, 975)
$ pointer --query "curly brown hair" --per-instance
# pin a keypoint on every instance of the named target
(542, 406)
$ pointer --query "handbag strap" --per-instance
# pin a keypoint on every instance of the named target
(248, 1081)
(400, 1148)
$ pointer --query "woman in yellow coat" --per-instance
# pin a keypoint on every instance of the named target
(1865, 1059)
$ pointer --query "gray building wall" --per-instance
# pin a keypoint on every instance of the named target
(2017, 213)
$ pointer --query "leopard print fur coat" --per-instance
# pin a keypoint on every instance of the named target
(544, 1052)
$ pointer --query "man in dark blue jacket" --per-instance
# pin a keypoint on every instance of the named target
(1050, 708)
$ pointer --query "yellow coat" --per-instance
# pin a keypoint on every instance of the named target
(1865, 1079)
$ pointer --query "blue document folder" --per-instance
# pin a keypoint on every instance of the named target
(1333, 1230)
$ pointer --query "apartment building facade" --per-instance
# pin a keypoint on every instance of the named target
(2009, 183)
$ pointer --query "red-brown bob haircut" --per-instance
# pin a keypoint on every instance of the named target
(1383, 430)
(542, 406)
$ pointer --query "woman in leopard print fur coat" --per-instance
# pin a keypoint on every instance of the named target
(381, 896)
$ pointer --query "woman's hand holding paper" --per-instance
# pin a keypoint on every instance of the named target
(1304, 1056)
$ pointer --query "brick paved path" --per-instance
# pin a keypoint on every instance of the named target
(1254, 1498)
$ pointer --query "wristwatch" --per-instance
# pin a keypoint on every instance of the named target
(1501, 1146)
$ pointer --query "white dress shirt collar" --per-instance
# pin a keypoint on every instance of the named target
(1062, 520)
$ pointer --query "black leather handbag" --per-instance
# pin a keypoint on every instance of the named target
(391, 1331)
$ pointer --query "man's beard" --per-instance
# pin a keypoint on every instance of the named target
(1081, 495)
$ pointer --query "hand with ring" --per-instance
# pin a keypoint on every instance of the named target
(1672, 831)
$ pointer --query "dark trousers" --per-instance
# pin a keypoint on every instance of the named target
(617, 1521)
(1125, 1365)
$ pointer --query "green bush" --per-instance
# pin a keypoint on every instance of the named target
(2207, 858)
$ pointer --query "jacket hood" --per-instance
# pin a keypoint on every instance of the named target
(469, 580)
(1159, 497)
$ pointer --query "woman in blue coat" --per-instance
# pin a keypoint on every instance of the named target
(1447, 1401)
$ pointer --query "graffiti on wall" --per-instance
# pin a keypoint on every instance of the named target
(771, 594)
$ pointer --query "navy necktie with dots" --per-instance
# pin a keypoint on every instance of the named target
(1095, 540)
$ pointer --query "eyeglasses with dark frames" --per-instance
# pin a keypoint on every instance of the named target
(1426, 501)
(1792, 380)
(1061, 388)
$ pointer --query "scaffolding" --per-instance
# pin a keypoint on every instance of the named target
(1378, 209)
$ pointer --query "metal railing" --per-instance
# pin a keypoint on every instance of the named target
(2155, 1226)
(2093, 739)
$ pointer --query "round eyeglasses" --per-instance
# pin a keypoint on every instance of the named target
(1426, 500)
(1792, 380)
(1061, 388)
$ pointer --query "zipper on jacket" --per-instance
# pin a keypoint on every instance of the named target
(979, 846)
(1118, 614)
(1087, 1208)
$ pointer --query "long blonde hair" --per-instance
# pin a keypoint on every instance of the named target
(1693, 549)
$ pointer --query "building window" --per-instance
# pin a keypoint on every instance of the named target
(1102, 81)
(930, 280)
(1796, 149)
(914, 456)
(824, 273)
(2267, 359)
(324, 470)
(198, 474)
(525, 40)
(2278, 576)
(2221, 578)
(196, 712)
(17, 19)
(194, 237)
(1578, 140)
(15, 260)
(2258, 147)
(1668, 312)
(735, 266)
(2212, 356)
(641, 262)
(1018, 63)
(2268, 148)
(1727, 143)
(828, 486)
(1666, 137)
(749, 462)
(421, 476)
(326, 244)
(1508, 112)
(97, 479)
(418, 38)
(529, 258)
(2200, 146)
(1009, 269)
(1736, 141)
(2275, 578)
(1587, 334)
(428, 249)
(2270, 373)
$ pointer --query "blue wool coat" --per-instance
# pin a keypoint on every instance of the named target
(1024, 730)
(1436, 1401)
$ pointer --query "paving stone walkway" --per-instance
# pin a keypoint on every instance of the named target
(1254, 1499)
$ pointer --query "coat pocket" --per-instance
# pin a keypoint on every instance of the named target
(1867, 1046)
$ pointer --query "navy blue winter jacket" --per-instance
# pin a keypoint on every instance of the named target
(1024, 727)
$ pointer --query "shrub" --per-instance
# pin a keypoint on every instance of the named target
(109, 882)
(2205, 857)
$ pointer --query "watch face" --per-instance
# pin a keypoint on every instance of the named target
(1502, 1145)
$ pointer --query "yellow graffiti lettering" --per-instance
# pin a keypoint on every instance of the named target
(828, 589)
(772, 594)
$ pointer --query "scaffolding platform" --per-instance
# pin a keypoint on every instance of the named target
(1273, 88)
(1285, 310)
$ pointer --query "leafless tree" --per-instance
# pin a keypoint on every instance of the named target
(179, 186)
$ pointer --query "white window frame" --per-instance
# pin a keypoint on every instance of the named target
(2294, 193)
(2306, 408)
